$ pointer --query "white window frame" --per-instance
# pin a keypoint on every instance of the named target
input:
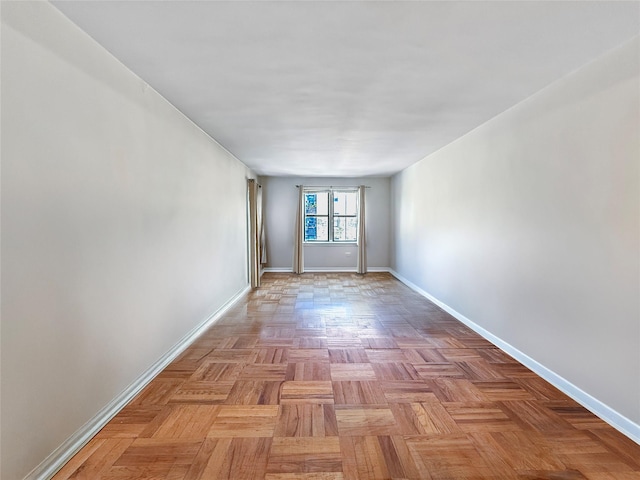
(330, 225)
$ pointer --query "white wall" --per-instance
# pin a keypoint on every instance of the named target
(123, 228)
(280, 197)
(529, 227)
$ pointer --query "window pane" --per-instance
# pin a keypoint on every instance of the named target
(345, 229)
(310, 203)
(345, 203)
(316, 203)
(316, 229)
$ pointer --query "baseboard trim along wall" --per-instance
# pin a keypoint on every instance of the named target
(326, 270)
(595, 406)
(61, 455)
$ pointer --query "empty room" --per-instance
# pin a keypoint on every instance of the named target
(320, 240)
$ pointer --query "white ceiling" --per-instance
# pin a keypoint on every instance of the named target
(316, 88)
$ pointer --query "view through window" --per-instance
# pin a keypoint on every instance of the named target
(331, 215)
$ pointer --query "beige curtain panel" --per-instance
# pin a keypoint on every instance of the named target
(254, 233)
(362, 246)
(262, 235)
(298, 247)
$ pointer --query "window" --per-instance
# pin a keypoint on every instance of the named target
(330, 215)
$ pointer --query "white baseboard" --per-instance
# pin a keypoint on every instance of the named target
(327, 269)
(605, 412)
(61, 455)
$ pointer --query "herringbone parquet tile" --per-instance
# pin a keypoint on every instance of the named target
(340, 376)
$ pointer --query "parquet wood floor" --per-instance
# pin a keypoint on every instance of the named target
(340, 376)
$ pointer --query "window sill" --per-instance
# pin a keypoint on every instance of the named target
(330, 244)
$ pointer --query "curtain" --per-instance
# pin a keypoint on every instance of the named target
(362, 247)
(254, 235)
(298, 249)
(261, 232)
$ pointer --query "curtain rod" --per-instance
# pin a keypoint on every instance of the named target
(333, 186)
(253, 180)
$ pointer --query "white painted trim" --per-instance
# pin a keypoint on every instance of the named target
(597, 407)
(342, 269)
(327, 269)
(61, 455)
(331, 244)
